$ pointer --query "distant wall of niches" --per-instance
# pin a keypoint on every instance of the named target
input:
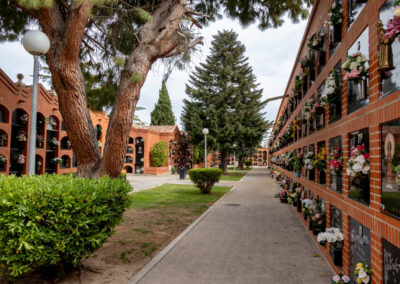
(53, 148)
(337, 133)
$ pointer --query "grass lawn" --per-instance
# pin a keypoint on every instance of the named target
(237, 168)
(155, 218)
(233, 177)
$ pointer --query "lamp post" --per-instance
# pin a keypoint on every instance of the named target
(205, 132)
(234, 156)
(36, 43)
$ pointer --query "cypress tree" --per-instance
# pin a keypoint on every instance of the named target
(162, 113)
(224, 97)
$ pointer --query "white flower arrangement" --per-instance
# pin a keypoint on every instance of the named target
(54, 141)
(331, 235)
(329, 89)
(358, 165)
(309, 160)
(355, 67)
(335, 15)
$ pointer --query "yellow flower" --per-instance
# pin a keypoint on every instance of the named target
(359, 265)
(359, 280)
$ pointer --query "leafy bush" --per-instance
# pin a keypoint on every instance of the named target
(196, 154)
(204, 179)
(56, 220)
(248, 163)
(159, 154)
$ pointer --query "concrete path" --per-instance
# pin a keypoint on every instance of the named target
(247, 237)
(141, 182)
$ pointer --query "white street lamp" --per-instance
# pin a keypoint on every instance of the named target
(205, 132)
(36, 43)
(234, 156)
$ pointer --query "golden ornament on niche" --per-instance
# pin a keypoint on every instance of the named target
(385, 50)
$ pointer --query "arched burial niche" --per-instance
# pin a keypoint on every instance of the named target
(139, 156)
(52, 144)
(18, 142)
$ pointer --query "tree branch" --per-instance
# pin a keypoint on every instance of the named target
(179, 49)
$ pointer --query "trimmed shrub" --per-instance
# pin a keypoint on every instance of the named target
(49, 220)
(248, 163)
(204, 179)
(159, 154)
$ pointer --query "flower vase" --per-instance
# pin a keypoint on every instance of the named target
(305, 216)
(337, 256)
(321, 57)
(321, 177)
(298, 205)
(294, 203)
(310, 224)
(322, 243)
(360, 89)
(298, 174)
(333, 180)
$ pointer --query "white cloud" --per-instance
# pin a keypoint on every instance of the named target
(271, 53)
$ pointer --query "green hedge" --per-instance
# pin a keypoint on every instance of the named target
(56, 220)
(159, 154)
(204, 179)
(248, 163)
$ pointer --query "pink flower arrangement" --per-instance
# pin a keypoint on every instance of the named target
(340, 279)
(335, 160)
(354, 74)
(392, 26)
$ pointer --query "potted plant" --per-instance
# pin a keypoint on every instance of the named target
(315, 41)
(363, 272)
(334, 237)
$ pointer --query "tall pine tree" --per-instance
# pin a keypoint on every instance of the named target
(162, 113)
(224, 97)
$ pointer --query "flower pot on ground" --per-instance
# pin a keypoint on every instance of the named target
(298, 205)
(335, 238)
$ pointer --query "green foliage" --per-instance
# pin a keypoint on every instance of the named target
(136, 78)
(248, 163)
(205, 179)
(196, 154)
(58, 219)
(159, 154)
(35, 4)
(162, 113)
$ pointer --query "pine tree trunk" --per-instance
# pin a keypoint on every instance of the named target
(65, 29)
(241, 162)
(224, 162)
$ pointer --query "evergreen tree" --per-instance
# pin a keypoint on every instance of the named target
(224, 97)
(162, 113)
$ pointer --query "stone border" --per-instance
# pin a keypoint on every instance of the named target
(146, 269)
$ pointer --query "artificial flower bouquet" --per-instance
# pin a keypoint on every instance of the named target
(39, 138)
(363, 272)
(54, 141)
(335, 15)
(331, 89)
(315, 41)
(340, 279)
(3, 160)
(393, 25)
(397, 171)
(57, 161)
(358, 165)
(24, 118)
(309, 161)
(335, 161)
(355, 68)
(21, 159)
(320, 162)
(331, 235)
(21, 137)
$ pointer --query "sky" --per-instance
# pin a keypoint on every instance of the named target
(271, 53)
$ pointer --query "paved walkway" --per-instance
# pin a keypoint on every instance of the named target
(141, 182)
(247, 237)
